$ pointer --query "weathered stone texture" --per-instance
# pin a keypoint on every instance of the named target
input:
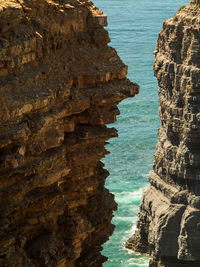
(60, 83)
(169, 219)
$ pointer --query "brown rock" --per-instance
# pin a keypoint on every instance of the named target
(168, 226)
(60, 83)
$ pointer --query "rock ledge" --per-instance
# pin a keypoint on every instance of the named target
(60, 84)
(169, 220)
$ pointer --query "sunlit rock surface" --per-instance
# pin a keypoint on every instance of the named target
(60, 83)
(169, 219)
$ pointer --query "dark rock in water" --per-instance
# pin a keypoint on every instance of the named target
(169, 219)
(60, 83)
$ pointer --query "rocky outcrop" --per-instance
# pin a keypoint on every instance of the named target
(169, 218)
(60, 83)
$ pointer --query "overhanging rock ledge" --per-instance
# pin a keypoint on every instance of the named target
(60, 84)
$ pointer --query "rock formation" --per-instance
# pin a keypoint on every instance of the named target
(169, 218)
(60, 83)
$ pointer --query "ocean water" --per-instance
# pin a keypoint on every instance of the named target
(133, 27)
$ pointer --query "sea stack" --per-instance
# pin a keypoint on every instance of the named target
(169, 219)
(60, 84)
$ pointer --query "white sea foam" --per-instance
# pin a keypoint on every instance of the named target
(125, 218)
(129, 197)
(133, 29)
(133, 229)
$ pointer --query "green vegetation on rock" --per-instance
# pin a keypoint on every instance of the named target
(181, 8)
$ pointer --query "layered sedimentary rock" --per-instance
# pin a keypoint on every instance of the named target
(60, 83)
(169, 219)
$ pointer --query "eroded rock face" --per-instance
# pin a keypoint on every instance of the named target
(60, 83)
(169, 219)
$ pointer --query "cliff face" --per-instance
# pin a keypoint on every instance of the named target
(169, 218)
(60, 83)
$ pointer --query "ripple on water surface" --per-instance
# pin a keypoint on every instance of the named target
(133, 27)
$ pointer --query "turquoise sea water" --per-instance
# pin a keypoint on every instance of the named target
(133, 27)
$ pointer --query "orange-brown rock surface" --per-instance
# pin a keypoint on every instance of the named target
(60, 83)
(169, 219)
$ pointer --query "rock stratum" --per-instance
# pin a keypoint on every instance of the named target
(168, 228)
(60, 84)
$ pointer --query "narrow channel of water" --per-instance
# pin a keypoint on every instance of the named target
(133, 27)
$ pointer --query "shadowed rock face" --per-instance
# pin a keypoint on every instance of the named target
(169, 219)
(60, 83)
